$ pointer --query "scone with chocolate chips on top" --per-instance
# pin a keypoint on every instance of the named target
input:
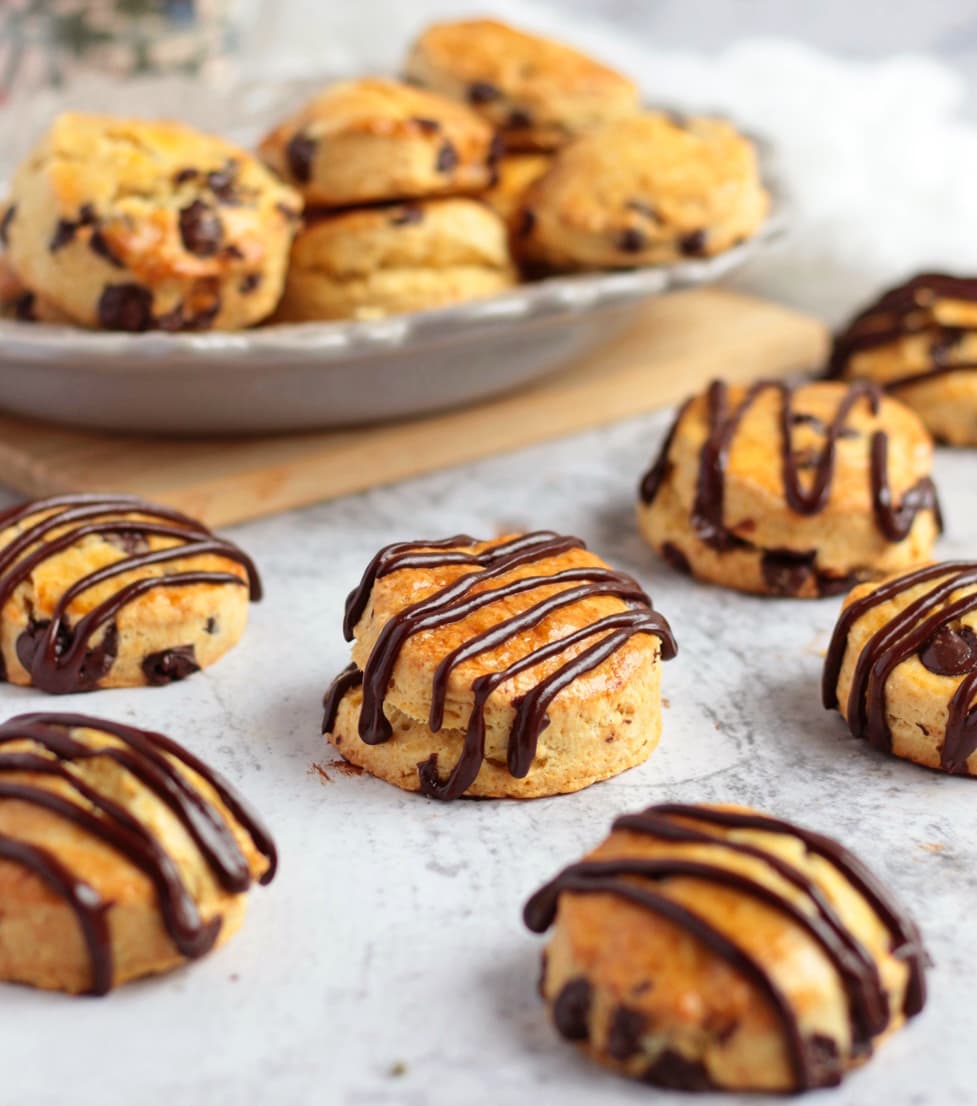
(402, 257)
(647, 190)
(134, 225)
(539, 93)
(374, 140)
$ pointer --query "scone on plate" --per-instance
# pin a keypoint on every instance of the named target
(385, 260)
(919, 342)
(121, 853)
(111, 591)
(374, 140)
(518, 667)
(902, 666)
(646, 190)
(792, 490)
(537, 92)
(716, 948)
(134, 225)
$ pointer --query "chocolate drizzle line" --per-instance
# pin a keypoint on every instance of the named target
(456, 602)
(893, 521)
(900, 313)
(910, 632)
(149, 758)
(857, 971)
(58, 660)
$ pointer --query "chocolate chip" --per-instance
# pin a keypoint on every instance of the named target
(86, 215)
(693, 244)
(950, 652)
(181, 176)
(519, 119)
(98, 659)
(24, 307)
(170, 665)
(126, 307)
(483, 92)
(786, 572)
(200, 229)
(822, 1060)
(447, 159)
(571, 1011)
(631, 240)
(223, 184)
(179, 318)
(8, 218)
(172, 320)
(428, 126)
(210, 626)
(409, 213)
(64, 232)
(625, 1033)
(527, 223)
(672, 1070)
(98, 244)
(644, 209)
(299, 154)
(676, 558)
(249, 282)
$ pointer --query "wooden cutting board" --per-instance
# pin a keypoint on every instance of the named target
(680, 342)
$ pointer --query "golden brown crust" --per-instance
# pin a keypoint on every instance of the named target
(538, 92)
(766, 546)
(404, 257)
(42, 942)
(374, 140)
(646, 190)
(132, 225)
(647, 996)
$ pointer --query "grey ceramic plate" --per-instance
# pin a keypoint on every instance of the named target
(309, 375)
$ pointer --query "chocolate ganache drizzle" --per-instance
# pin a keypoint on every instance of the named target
(903, 312)
(806, 497)
(643, 881)
(57, 653)
(928, 627)
(456, 602)
(57, 750)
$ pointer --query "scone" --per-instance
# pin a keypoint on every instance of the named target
(919, 342)
(515, 173)
(539, 93)
(792, 490)
(111, 591)
(121, 853)
(134, 225)
(644, 191)
(716, 948)
(375, 140)
(378, 261)
(902, 666)
(518, 667)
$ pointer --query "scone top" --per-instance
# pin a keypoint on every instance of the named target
(538, 92)
(713, 947)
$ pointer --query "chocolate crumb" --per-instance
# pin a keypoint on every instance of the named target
(126, 307)
(299, 154)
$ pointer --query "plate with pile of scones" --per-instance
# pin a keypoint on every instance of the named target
(503, 193)
(701, 946)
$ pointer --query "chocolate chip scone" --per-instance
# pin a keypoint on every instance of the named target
(902, 666)
(647, 190)
(716, 948)
(537, 92)
(375, 140)
(518, 667)
(792, 490)
(111, 591)
(919, 342)
(134, 225)
(121, 853)
(403, 257)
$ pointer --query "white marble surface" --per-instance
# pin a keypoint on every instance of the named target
(392, 935)
(387, 965)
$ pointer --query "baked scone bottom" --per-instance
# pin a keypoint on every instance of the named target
(356, 706)
(902, 666)
(698, 536)
(718, 948)
(121, 853)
